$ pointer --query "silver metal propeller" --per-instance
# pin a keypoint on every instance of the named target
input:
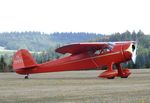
(134, 52)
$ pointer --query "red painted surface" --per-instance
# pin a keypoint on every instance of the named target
(84, 56)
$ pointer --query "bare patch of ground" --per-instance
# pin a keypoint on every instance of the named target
(75, 87)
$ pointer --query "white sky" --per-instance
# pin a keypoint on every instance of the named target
(99, 16)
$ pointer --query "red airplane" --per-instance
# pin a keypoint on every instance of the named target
(84, 56)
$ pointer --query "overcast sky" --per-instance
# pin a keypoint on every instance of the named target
(99, 16)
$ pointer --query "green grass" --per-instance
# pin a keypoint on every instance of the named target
(75, 87)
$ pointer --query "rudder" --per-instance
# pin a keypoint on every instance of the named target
(23, 60)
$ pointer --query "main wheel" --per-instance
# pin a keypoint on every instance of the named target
(110, 77)
(124, 77)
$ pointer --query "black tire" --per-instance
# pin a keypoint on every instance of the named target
(110, 77)
(125, 77)
(26, 77)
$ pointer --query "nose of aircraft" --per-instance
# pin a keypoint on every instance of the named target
(130, 51)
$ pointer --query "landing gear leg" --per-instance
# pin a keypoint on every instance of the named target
(109, 73)
(123, 73)
(27, 76)
(120, 71)
(111, 76)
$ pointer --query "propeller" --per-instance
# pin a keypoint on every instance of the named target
(134, 51)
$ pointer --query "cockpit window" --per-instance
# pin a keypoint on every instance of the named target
(101, 51)
(97, 52)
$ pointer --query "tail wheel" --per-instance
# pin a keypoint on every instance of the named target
(26, 77)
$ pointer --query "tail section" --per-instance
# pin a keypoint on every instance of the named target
(23, 60)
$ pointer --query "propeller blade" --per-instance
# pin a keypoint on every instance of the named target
(134, 56)
(134, 53)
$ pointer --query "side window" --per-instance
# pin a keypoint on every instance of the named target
(106, 50)
(101, 51)
(97, 52)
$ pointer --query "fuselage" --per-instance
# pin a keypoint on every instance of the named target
(120, 52)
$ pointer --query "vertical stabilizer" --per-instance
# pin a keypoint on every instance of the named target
(23, 60)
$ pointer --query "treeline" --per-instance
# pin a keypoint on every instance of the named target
(5, 63)
(72, 37)
(47, 55)
(37, 41)
(125, 36)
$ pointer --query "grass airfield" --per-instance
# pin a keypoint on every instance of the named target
(75, 87)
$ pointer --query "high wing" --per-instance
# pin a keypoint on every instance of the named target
(77, 48)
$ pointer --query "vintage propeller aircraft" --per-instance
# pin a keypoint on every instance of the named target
(84, 56)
